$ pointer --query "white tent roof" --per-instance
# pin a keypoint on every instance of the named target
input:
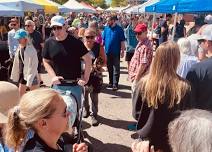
(140, 8)
(124, 8)
(99, 9)
(114, 9)
(23, 5)
(9, 11)
(75, 6)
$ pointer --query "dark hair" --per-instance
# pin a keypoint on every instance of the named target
(114, 17)
(169, 15)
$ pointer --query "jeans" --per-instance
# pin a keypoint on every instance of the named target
(94, 102)
(113, 65)
(75, 90)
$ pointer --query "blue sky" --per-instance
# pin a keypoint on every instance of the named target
(108, 1)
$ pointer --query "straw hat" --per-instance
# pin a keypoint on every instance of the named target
(9, 97)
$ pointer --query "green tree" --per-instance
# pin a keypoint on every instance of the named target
(123, 3)
(100, 3)
(118, 3)
(114, 3)
(60, 1)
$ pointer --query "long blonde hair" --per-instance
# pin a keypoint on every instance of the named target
(162, 82)
(33, 106)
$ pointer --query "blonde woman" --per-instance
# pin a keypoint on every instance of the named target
(161, 93)
(24, 70)
(40, 110)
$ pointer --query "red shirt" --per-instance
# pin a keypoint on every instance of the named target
(142, 56)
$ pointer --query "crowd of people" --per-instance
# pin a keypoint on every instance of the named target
(171, 78)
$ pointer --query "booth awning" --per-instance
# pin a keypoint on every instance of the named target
(23, 5)
(10, 11)
(48, 6)
(75, 6)
(181, 6)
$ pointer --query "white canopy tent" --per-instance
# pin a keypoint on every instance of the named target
(140, 8)
(23, 5)
(75, 6)
(9, 11)
(114, 9)
(99, 9)
(124, 8)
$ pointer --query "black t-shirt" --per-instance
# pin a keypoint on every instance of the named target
(200, 77)
(36, 40)
(65, 56)
(36, 144)
(95, 50)
(48, 31)
(163, 37)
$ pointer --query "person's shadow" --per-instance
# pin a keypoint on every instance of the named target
(119, 93)
(122, 124)
(96, 145)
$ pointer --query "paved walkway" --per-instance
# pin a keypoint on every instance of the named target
(114, 116)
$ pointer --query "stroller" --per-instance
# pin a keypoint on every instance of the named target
(76, 109)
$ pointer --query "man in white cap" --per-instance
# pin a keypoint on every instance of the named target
(62, 56)
(200, 74)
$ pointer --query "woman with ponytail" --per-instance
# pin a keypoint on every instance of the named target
(44, 112)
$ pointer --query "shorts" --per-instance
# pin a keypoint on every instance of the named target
(129, 56)
(24, 82)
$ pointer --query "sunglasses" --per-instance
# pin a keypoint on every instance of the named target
(89, 37)
(138, 33)
(65, 114)
(200, 41)
(28, 25)
(57, 28)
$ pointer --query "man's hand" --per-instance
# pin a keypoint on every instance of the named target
(56, 80)
(80, 147)
(142, 146)
(82, 82)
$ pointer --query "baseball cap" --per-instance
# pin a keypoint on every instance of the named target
(57, 21)
(140, 28)
(208, 19)
(9, 97)
(206, 33)
(20, 34)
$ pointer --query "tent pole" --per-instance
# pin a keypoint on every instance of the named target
(174, 27)
(153, 21)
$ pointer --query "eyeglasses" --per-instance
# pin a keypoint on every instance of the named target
(65, 114)
(138, 33)
(13, 24)
(89, 37)
(28, 25)
(57, 28)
